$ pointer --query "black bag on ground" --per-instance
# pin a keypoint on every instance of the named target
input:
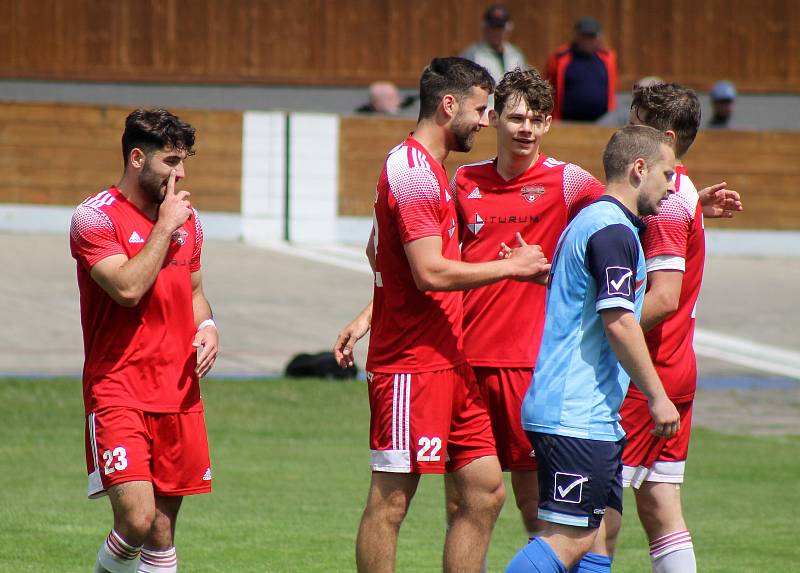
(319, 365)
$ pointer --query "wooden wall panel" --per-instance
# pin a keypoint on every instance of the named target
(352, 42)
(762, 166)
(59, 154)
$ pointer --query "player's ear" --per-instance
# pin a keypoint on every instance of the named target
(673, 136)
(548, 119)
(637, 171)
(136, 158)
(449, 105)
(493, 117)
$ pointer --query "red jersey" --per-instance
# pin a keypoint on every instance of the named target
(675, 241)
(412, 330)
(503, 321)
(140, 357)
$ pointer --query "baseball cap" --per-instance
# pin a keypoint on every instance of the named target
(723, 91)
(588, 26)
(496, 16)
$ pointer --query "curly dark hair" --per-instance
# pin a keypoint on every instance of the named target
(669, 106)
(154, 129)
(456, 76)
(527, 85)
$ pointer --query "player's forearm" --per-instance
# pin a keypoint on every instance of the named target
(365, 316)
(457, 275)
(662, 298)
(202, 309)
(136, 275)
(626, 339)
(656, 309)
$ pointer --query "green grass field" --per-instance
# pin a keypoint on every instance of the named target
(290, 477)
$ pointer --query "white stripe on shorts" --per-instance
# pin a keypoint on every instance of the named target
(95, 486)
(401, 398)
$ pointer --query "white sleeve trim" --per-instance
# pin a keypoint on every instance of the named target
(666, 263)
(615, 302)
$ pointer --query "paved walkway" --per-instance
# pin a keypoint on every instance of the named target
(273, 303)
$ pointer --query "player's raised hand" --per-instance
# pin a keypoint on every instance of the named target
(175, 209)
(529, 261)
(207, 341)
(719, 202)
(665, 416)
(350, 334)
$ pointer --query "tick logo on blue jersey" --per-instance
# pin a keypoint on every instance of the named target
(569, 487)
(619, 280)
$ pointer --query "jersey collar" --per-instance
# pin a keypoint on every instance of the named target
(635, 221)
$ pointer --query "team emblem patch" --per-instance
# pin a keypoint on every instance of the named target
(568, 487)
(618, 280)
(179, 236)
(532, 192)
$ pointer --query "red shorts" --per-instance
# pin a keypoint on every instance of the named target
(646, 457)
(503, 390)
(427, 423)
(169, 450)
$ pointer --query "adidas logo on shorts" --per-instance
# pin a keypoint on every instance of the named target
(476, 194)
(207, 475)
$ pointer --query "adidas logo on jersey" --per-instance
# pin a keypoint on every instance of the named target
(207, 475)
(135, 238)
(475, 194)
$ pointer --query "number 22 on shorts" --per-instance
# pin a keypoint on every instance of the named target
(429, 449)
(116, 460)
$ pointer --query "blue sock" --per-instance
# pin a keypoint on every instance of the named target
(592, 563)
(536, 557)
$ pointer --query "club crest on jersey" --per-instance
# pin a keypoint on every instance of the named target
(179, 237)
(532, 192)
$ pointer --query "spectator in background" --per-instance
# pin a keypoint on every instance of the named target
(494, 52)
(723, 97)
(385, 98)
(583, 75)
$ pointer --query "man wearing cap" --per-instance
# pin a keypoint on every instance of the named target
(723, 95)
(494, 52)
(583, 75)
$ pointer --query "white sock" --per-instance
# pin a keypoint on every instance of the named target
(116, 555)
(673, 553)
(154, 561)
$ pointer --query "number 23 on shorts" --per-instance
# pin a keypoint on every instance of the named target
(115, 460)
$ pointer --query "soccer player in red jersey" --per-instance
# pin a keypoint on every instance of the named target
(148, 338)
(427, 415)
(520, 191)
(674, 247)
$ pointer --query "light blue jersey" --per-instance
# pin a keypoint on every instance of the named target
(579, 385)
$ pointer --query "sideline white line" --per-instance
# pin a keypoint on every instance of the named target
(706, 343)
(746, 353)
